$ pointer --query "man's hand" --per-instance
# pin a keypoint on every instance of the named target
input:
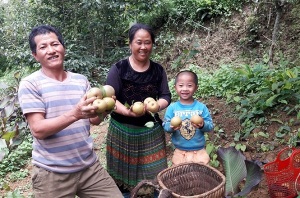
(84, 108)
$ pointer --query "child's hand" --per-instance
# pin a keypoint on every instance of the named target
(199, 126)
(197, 121)
(175, 123)
(175, 127)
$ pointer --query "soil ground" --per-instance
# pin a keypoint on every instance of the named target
(223, 117)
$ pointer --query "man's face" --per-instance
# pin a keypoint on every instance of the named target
(50, 53)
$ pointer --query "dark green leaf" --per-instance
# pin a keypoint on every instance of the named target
(254, 176)
(270, 100)
(233, 162)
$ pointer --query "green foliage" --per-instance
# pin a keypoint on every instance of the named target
(13, 163)
(14, 29)
(17, 158)
(191, 12)
(211, 148)
(255, 90)
(15, 139)
(237, 169)
(13, 125)
(257, 87)
(84, 64)
(94, 44)
(3, 64)
(14, 194)
(190, 9)
(162, 45)
(17, 175)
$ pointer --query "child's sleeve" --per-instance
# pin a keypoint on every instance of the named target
(169, 114)
(208, 123)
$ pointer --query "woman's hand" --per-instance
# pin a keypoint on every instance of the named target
(138, 109)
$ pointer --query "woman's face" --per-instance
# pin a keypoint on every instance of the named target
(141, 45)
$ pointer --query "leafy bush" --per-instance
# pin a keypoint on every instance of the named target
(18, 158)
(191, 12)
(14, 194)
(15, 138)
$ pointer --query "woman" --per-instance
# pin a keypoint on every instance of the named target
(135, 152)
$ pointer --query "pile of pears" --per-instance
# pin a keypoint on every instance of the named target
(150, 103)
(104, 101)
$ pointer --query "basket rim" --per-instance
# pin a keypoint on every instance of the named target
(222, 184)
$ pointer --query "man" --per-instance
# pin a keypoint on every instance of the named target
(57, 110)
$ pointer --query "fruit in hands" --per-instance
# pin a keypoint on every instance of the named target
(152, 106)
(196, 119)
(110, 103)
(147, 100)
(95, 92)
(104, 100)
(176, 121)
(100, 104)
(108, 91)
(138, 108)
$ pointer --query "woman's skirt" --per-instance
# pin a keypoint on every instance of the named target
(135, 153)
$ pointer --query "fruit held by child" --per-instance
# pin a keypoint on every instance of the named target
(176, 121)
(196, 119)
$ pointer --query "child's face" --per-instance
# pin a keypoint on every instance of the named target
(185, 87)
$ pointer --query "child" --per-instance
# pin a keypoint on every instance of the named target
(188, 138)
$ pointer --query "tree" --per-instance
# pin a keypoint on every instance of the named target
(278, 4)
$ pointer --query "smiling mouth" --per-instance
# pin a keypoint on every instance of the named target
(142, 53)
(184, 94)
(52, 57)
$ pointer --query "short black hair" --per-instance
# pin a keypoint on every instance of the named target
(137, 26)
(43, 29)
(193, 74)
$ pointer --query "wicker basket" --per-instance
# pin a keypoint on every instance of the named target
(192, 180)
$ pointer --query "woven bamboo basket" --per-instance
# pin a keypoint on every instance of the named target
(192, 180)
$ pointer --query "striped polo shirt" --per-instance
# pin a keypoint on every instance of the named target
(71, 149)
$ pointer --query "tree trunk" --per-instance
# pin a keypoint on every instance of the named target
(279, 8)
